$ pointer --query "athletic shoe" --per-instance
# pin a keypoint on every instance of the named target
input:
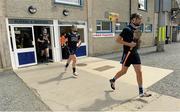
(112, 82)
(144, 95)
(75, 74)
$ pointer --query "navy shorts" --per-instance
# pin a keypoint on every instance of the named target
(72, 51)
(133, 58)
(44, 46)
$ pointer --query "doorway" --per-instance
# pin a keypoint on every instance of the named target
(82, 51)
(42, 55)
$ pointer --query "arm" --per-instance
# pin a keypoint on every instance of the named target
(121, 41)
(79, 43)
(46, 39)
(40, 40)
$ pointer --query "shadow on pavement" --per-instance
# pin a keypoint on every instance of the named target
(58, 79)
(100, 104)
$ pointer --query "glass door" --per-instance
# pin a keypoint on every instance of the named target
(24, 45)
(82, 51)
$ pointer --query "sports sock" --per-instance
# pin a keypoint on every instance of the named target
(140, 89)
(67, 64)
(74, 69)
(114, 79)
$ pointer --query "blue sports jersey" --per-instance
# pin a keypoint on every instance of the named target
(127, 35)
(73, 39)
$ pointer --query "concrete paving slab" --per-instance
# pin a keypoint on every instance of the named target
(62, 92)
(150, 74)
(157, 102)
(91, 90)
(164, 103)
(137, 103)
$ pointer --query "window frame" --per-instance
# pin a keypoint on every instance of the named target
(146, 30)
(80, 2)
(119, 29)
(100, 25)
(144, 5)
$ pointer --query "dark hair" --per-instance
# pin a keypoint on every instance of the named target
(63, 34)
(135, 15)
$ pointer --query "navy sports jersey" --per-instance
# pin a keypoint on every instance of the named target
(44, 44)
(73, 39)
(127, 35)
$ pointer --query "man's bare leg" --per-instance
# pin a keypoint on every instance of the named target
(137, 68)
(118, 75)
(68, 62)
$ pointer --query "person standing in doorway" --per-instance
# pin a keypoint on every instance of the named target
(64, 42)
(127, 39)
(74, 42)
(63, 39)
(44, 45)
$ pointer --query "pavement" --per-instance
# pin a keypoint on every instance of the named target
(91, 91)
(16, 96)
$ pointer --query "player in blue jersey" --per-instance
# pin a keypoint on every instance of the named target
(74, 43)
(129, 45)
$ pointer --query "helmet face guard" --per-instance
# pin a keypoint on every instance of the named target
(74, 28)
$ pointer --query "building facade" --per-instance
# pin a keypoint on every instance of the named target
(175, 21)
(26, 19)
(98, 22)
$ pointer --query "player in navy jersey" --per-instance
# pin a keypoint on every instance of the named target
(74, 43)
(130, 54)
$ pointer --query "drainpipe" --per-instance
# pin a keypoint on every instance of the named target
(130, 5)
(162, 22)
(89, 27)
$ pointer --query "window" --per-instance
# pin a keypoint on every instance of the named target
(120, 26)
(70, 2)
(148, 28)
(81, 32)
(142, 4)
(23, 37)
(104, 26)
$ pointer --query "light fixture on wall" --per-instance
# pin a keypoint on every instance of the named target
(32, 9)
(65, 12)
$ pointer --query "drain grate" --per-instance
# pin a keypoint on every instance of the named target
(81, 64)
(103, 68)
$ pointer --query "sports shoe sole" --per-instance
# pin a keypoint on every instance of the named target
(145, 95)
(112, 84)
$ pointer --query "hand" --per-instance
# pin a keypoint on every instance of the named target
(46, 39)
(78, 46)
(132, 44)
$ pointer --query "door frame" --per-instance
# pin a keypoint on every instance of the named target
(18, 24)
(12, 51)
(51, 36)
(85, 37)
